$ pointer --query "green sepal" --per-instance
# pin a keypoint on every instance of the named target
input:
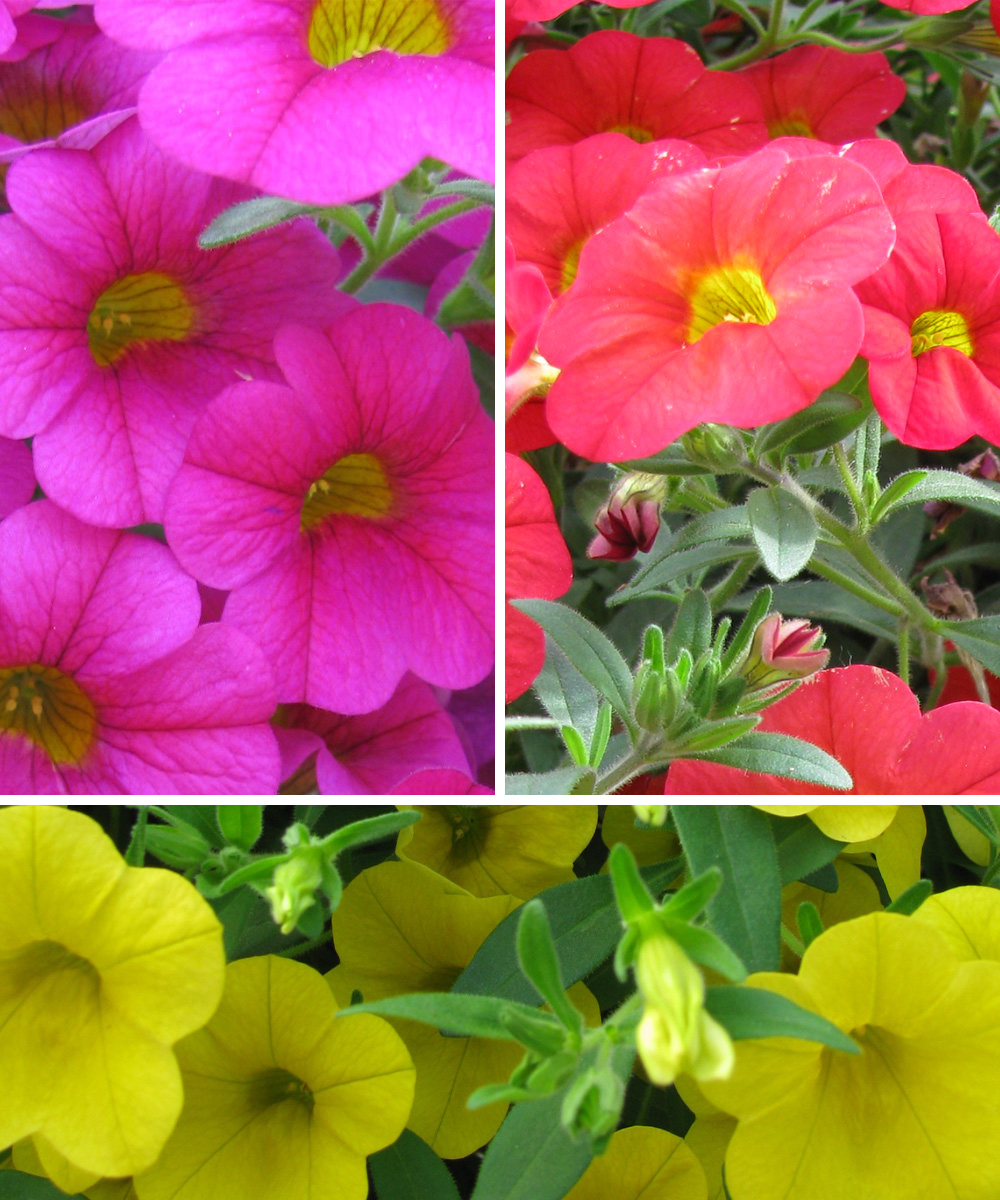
(809, 921)
(631, 893)
(909, 901)
(539, 962)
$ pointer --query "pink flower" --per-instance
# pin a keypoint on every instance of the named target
(115, 329)
(107, 685)
(17, 476)
(440, 783)
(647, 88)
(350, 511)
(300, 101)
(537, 564)
(783, 650)
(372, 754)
(723, 295)
(630, 520)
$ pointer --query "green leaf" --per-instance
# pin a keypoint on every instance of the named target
(241, 824)
(252, 216)
(589, 650)
(368, 830)
(198, 816)
(585, 928)
(177, 846)
(943, 485)
(827, 420)
(802, 847)
(746, 911)
(247, 925)
(410, 1170)
(539, 962)
(893, 494)
(784, 530)
(460, 1014)
(565, 695)
(691, 630)
(779, 754)
(980, 637)
(749, 1012)
(631, 894)
(135, 855)
(821, 601)
(474, 297)
(16, 1185)
(979, 821)
(909, 901)
(704, 947)
(809, 921)
(559, 782)
(673, 568)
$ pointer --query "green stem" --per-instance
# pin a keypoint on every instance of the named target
(305, 947)
(792, 942)
(853, 492)
(747, 15)
(351, 220)
(513, 724)
(903, 652)
(381, 241)
(849, 584)
(825, 39)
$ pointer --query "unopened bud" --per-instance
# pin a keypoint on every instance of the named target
(293, 888)
(783, 650)
(630, 520)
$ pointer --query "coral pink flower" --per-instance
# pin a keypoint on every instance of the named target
(107, 685)
(302, 100)
(538, 565)
(820, 92)
(646, 88)
(527, 299)
(350, 511)
(927, 7)
(72, 91)
(560, 196)
(17, 476)
(932, 331)
(722, 295)
(870, 721)
(115, 329)
(370, 755)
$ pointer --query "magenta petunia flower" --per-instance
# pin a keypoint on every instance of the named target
(107, 685)
(351, 513)
(9, 11)
(440, 783)
(70, 92)
(369, 755)
(722, 295)
(115, 329)
(645, 87)
(311, 99)
(17, 475)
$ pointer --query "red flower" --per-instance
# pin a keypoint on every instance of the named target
(527, 377)
(870, 721)
(630, 520)
(648, 88)
(538, 564)
(783, 650)
(723, 295)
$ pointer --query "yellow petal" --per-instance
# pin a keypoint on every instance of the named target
(56, 1166)
(973, 843)
(496, 850)
(897, 849)
(708, 1140)
(856, 895)
(968, 918)
(642, 1163)
(648, 845)
(853, 822)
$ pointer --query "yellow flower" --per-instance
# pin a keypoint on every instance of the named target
(896, 849)
(648, 845)
(842, 822)
(28, 1157)
(281, 1098)
(914, 1116)
(500, 850)
(973, 843)
(855, 896)
(102, 968)
(709, 1136)
(642, 1163)
(403, 928)
(675, 1033)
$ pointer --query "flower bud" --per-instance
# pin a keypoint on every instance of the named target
(651, 814)
(630, 520)
(293, 888)
(783, 650)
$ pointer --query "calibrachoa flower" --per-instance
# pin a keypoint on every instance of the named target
(440, 783)
(115, 329)
(106, 682)
(855, 896)
(17, 475)
(870, 721)
(646, 88)
(537, 564)
(842, 822)
(371, 754)
(9, 9)
(351, 513)
(282, 1098)
(493, 850)
(642, 1163)
(402, 928)
(311, 99)
(527, 377)
(72, 91)
(820, 92)
(932, 331)
(630, 520)
(723, 295)
(560, 196)
(907, 1116)
(103, 967)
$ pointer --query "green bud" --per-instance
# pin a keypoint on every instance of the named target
(294, 885)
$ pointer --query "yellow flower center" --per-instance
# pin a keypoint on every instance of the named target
(635, 132)
(729, 294)
(570, 266)
(139, 308)
(26, 967)
(795, 124)
(49, 709)
(344, 29)
(463, 819)
(38, 117)
(275, 1086)
(356, 485)
(940, 328)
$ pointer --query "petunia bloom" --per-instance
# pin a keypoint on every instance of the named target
(537, 564)
(527, 377)
(115, 329)
(870, 721)
(644, 87)
(497, 850)
(722, 295)
(351, 513)
(107, 685)
(642, 1163)
(17, 475)
(824, 93)
(282, 1096)
(909, 1115)
(312, 99)
(103, 967)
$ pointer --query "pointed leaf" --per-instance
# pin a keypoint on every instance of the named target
(784, 530)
